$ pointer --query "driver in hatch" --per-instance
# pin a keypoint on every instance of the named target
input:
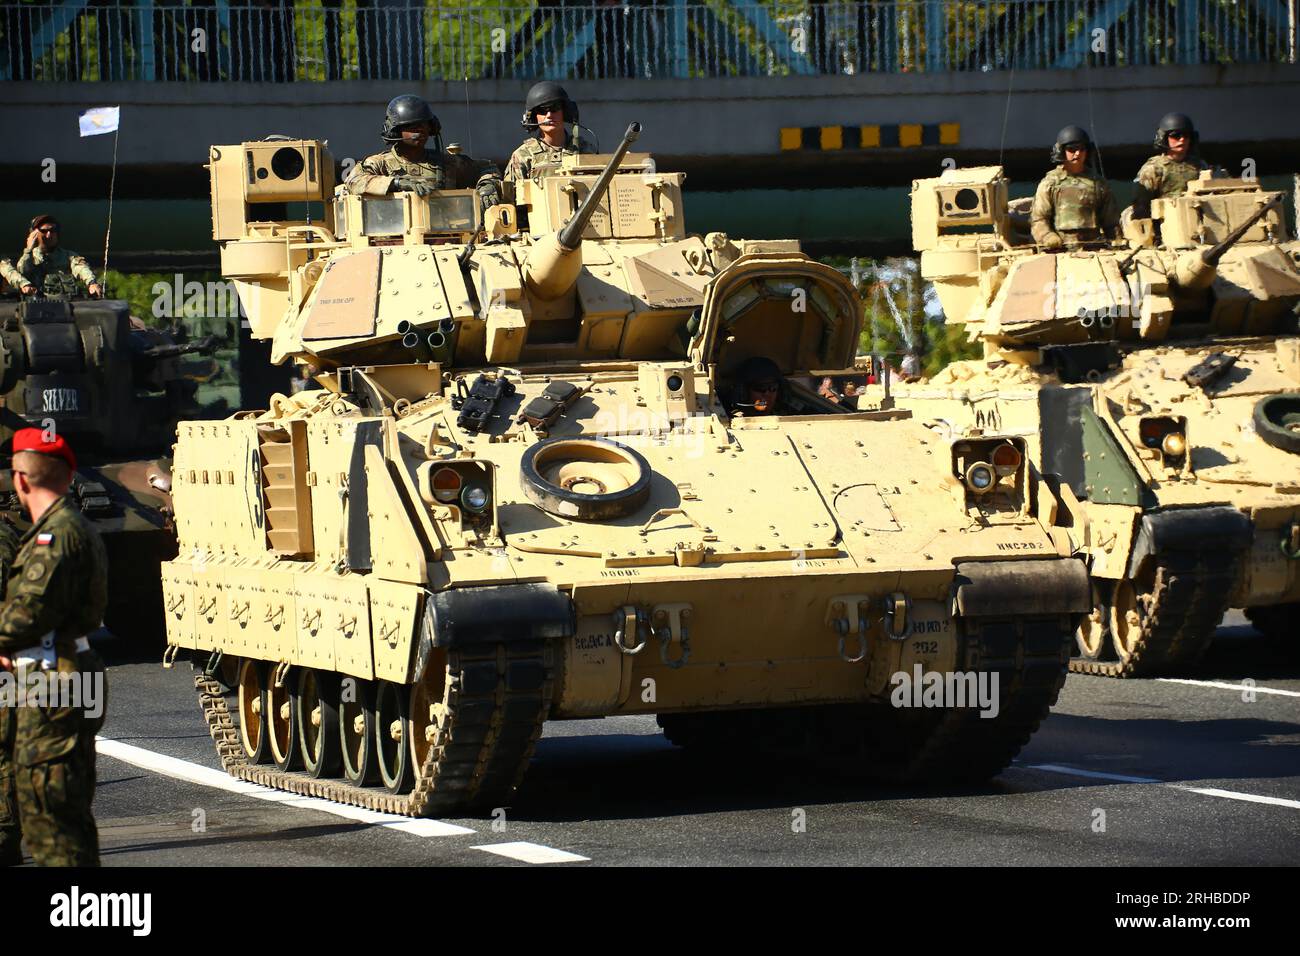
(759, 387)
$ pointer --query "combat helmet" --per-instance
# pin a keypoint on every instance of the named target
(542, 94)
(1174, 122)
(403, 111)
(1069, 136)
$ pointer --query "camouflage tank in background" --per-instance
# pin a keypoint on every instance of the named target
(83, 369)
(531, 486)
(1158, 376)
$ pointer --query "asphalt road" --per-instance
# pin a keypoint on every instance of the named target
(1146, 772)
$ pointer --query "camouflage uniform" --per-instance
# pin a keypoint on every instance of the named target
(57, 585)
(1163, 177)
(11, 835)
(1069, 209)
(11, 275)
(536, 151)
(373, 176)
(52, 272)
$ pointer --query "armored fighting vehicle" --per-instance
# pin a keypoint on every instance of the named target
(1159, 376)
(529, 487)
(115, 390)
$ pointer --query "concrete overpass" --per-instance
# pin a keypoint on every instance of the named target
(727, 133)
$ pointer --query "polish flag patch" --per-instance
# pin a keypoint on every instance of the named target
(45, 537)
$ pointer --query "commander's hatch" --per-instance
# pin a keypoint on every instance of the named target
(796, 311)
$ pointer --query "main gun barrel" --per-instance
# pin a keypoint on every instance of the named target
(1215, 252)
(555, 261)
(570, 235)
(1196, 270)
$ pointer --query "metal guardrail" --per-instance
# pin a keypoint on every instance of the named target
(322, 40)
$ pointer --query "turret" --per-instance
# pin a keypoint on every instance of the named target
(555, 261)
(1196, 269)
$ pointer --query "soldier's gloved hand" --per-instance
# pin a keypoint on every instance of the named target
(412, 184)
(28, 289)
(489, 194)
(1052, 240)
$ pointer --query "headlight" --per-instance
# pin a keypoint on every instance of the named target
(446, 485)
(979, 477)
(1006, 459)
(1168, 435)
(474, 498)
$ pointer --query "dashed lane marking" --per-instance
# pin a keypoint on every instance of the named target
(1252, 688)
(1091, 774)
(1247, 797)
(532, 853)
(1123, 778)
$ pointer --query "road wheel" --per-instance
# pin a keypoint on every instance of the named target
(316, 711)
(1128, 617)
(284, 724)
(1092, 636)
(393, 735)
(357, 731)
(254, 730)
(428, 709)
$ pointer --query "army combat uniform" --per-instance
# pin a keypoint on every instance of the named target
(11, 275)
(10, 834)
(1163, 177)
(535, 151)
(374, 175)
(1069, 209)
(55, 595)
(54, 272)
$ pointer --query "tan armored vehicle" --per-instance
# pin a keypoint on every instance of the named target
(530, 488)
(1158, 375)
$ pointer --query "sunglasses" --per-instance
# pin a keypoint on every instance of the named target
(766, 386)
(48, 229)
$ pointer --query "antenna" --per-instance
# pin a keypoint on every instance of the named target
(469, 128)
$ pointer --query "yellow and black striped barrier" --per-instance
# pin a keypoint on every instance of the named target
(875, 136)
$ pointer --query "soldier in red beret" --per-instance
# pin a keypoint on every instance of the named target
(55, 595)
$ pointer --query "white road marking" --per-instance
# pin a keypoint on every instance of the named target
(532, 853)
(1247, 797)
(179, 769)
(1121, 778)
(1092, 774)
(1254, 689)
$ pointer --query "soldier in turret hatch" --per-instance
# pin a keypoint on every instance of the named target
(47, 267)
(547, 110)
(409, 123)
(1177, 163)
(1073, 204)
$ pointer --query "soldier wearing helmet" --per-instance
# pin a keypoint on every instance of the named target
(1073, 204)
(410, 166)
(760, 387)
(1177, 163)
(547, 110)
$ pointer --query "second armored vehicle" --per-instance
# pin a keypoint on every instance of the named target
(1160, 376)
(115, 390)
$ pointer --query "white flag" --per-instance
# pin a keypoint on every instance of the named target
(101, 119)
